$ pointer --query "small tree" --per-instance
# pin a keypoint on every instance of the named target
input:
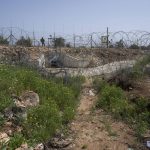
(143, 47)
(3, 41)
(24, 42)
(59, 42)
(148, 47)
(134, 46)
(119, 44)
(68, 45)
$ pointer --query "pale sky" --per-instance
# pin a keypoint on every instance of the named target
(75, 16)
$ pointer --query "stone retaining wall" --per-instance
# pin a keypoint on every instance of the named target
(88, 72)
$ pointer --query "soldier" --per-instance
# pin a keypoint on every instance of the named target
(42, 41)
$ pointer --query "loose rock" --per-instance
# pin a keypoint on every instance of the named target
(29, 98)
(4, 138)
(39, 147)
(59, 142)
(91, 93)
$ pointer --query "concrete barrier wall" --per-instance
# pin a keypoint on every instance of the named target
(73, 62)
(65, 60)
(87, 72)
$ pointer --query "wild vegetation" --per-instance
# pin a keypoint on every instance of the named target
(3, 41)
(113, 99)
(27, 42)
(58, 100)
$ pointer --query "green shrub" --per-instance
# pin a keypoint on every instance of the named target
(2, 120)
(141, 104)
(113, 100)
(134, 46)
(15, 141)
(24, 42)
(42, 122)
(3, 145)
(68, 114)
(75, 84)
(3, 40)
(140, 128)
(99, 84)
(120, 44)
(59, 42)
(5, 101)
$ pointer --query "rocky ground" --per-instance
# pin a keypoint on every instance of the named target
(17, 111)
(103, 56)
(16, 54)
(91, 129)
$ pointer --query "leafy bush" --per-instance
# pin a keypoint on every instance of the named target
(59, 42)
(140, 128)
(68, 45)
(134, 46)
(141, 104)
(99, 84)
(2, 120)
(24, 42)
(113, 100)
(141, 115)
(68, 115)
(3, 40)
(15, 141)
(75, 83)
(120, 44)
(5, 101)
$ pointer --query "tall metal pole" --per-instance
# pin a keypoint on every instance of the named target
(107, 39)
(74, 41)
(54, 40)
(33, 39)
(54, 35)
(11, 37)
(91, 41)
(2, 33)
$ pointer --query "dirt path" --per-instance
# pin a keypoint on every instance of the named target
(95, 130)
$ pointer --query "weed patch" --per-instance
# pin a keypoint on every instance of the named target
(138, 70)
(58, 101)
(112, 99)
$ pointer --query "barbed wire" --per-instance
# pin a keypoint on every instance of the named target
(94, 39)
